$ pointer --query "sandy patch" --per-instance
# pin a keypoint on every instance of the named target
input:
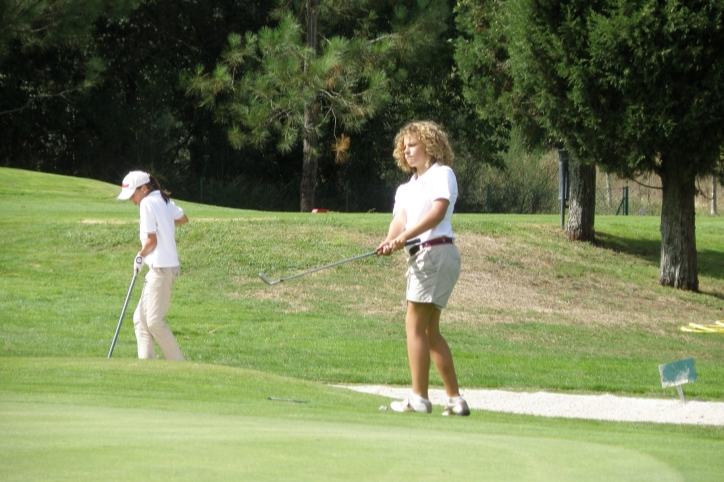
(594, 407)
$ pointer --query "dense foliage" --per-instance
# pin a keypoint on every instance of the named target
(95, 88)
(634, 85)
(121, 97)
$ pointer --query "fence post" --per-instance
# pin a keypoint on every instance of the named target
(624, 202)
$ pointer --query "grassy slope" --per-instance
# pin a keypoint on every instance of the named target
(602, 324)
(65, 257)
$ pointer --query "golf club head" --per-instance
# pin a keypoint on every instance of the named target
(267, 280)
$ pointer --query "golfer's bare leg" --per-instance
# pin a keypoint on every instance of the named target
(441, 355)
(418, 348)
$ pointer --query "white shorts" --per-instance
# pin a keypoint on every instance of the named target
(432, 274)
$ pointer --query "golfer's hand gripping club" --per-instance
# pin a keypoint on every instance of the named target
(137, 264)
(371, 253)
(386, 248)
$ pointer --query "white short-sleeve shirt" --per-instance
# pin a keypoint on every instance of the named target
(417, 195)
(158, 217)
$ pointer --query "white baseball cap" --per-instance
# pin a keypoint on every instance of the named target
(131, 182)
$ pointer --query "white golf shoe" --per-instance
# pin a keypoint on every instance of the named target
(413, 403)
(456, 406)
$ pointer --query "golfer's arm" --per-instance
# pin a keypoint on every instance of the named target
(149, 245)
(397, 226)
(182, 220)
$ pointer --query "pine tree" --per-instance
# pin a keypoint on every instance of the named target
(291, 81)
(634, 86)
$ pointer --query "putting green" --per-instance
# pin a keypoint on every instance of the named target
(50, 441)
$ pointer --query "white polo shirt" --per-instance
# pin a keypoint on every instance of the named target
(417, 195)
(158, 217)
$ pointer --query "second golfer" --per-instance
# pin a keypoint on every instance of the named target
(159, 217)
(423, 208)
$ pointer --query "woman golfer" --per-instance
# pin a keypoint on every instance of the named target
(423, 207)
(159, 217)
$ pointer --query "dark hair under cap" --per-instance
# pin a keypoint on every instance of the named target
(154, 185)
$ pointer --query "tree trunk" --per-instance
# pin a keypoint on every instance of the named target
(309, 167)
(582, 211)
(678, 227)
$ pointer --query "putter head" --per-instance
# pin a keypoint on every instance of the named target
(267, 280)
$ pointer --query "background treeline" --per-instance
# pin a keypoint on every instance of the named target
(234, 102)
(109, 92)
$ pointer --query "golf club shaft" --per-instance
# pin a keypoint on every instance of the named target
(123, 312)
(371, 253)
(330, 265)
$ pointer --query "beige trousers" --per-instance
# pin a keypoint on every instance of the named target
(149, 318)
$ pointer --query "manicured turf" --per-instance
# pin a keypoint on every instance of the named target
(67, 413)
(70, 419)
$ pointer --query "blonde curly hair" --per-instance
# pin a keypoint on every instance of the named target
(433, 139)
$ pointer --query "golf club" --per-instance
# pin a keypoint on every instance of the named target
(123, 312)
(371, 253)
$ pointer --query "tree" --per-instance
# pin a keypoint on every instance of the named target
(634, 85)
(37, 25)
(134, 115)
(140, 117)
(486, 67)
(640, 82)
(281, 84)
(423, 84)
(134, 112)
(52, 23)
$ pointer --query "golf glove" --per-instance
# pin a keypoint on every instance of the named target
(138, 264)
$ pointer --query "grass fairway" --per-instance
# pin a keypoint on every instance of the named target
(532, 311)
(70, 419)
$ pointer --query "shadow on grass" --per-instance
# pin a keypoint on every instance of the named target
(710, 263)
(646, 249)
